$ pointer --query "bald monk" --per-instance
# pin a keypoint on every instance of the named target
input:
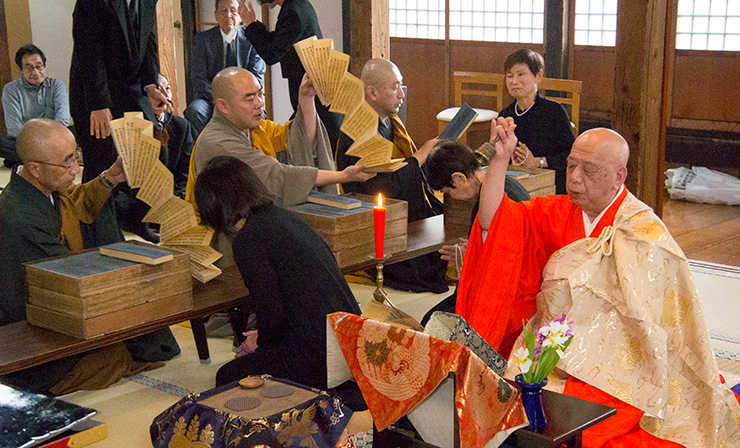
(602, 258)
(384, 93)
(40, 215)
(282, 156)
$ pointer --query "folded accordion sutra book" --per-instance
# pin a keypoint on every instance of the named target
(459, 123)
(345, 93)
(179, 230)
(333, 200)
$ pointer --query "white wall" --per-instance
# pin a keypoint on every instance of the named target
(51, 27)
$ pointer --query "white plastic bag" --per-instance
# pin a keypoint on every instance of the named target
(700, 184)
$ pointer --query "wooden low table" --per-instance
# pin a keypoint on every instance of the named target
(26, 346)
(567, 418)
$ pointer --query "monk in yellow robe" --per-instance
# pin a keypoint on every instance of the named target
(640, 341)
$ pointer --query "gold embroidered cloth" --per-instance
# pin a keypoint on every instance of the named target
(315, 423)
(396, 368)
(640, 333)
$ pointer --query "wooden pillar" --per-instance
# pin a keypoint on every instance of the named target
(5, 59)
(166, 47)
(640, 99)
(368, 32)
(556, 39)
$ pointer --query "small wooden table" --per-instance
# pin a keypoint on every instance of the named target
(26, 346)
(567, 417)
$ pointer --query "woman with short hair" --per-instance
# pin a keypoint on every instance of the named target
(292, 276)
(542, 126)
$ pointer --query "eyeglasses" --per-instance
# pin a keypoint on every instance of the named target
(67, 165)
(233, 11)
(31, 68)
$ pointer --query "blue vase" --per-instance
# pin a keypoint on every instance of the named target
(532, 401)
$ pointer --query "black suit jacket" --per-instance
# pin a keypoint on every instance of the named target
(296, 21)
(106, 71)
(208, 59)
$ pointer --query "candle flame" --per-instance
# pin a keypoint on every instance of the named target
(380, 199)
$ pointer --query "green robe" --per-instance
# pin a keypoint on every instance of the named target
(30, 226)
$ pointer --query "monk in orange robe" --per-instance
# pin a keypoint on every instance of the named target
(640, 341)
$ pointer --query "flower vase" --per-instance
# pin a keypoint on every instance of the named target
(532, 401)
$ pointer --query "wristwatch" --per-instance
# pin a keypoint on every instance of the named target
(104, 179)
(542, 162)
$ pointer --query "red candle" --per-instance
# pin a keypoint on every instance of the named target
(379, 220)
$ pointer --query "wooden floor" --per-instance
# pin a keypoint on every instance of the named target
(705, 232)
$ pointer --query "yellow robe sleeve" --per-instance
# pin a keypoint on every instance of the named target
(269, 137)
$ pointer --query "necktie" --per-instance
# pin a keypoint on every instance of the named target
(133, 23)
(230, 55)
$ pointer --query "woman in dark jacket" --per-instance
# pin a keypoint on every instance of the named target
(292, 276)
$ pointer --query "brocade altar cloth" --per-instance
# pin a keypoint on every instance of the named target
(311, 418)
(397, 368)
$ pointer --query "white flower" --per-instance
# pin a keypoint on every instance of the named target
(560, 353)
(522, 353)
(559, 327)
(545, 330)
(522, 356)
(525, 366)
(555, 340)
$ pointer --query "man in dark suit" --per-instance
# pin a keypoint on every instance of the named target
(222, 46)
(296, 21)
(114, 69)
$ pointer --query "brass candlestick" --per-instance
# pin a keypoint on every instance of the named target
(379, 294)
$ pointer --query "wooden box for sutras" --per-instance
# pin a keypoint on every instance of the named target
(350, 234)
(89, 294)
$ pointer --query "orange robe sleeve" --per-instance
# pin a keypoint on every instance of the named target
(501, 277)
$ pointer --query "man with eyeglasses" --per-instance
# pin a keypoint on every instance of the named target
(222, 46)
(41, 210)
(33, 95)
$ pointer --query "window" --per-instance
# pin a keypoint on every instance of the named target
(708, 25)
(498, 20)
(482, 20)
(596, 22)
(423, 19)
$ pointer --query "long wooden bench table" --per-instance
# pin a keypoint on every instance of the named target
(26, 346)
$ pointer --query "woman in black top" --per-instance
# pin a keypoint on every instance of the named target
(292, 276)
(542, 126)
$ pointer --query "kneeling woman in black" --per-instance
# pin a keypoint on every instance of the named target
(292, 276)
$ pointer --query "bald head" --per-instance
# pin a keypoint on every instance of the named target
(49, 154)
(238, 95)
(41, 138)
(606, 143)
(597, 169)
(223, 83)
(377, 71)
(383, 86)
